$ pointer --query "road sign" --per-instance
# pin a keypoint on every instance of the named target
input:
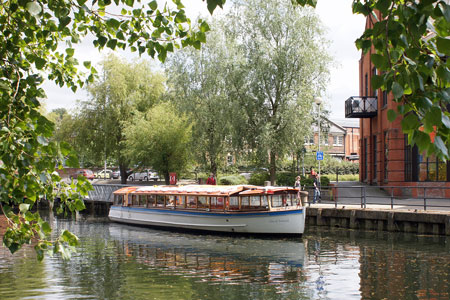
(319, 155)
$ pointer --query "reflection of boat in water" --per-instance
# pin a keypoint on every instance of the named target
(220, 249)
(232, 209)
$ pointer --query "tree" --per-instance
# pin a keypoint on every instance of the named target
(197, 82)
(411, 43)
(123, 89)
(282, 66)
(159, 138)
(36, 40)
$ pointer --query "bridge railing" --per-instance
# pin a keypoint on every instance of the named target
(103, 192)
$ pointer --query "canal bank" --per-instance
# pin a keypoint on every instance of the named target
(419, 222)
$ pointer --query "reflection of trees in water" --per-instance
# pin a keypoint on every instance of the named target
(392, 265)
(211, 267)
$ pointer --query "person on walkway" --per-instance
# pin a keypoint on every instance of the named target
(298, 185)
(316, 184)
(211, 180)
(297, 182)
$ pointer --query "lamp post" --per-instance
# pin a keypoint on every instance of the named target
(318, 101)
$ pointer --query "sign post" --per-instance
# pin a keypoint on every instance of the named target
(319, 155)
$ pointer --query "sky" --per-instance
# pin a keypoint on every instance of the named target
(343, 28)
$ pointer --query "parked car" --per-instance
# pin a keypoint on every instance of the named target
(115, 174)
(83, 172)
(145, 175)
(103, 175)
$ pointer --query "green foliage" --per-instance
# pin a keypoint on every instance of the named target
(274, 76)
(199, 88)
(411, 45)
(123, 89)
(159, 138)
(232, 180)
(286, 178)
(259, 178)
(37, 38)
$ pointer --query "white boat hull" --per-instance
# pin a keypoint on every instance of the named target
(283, 221)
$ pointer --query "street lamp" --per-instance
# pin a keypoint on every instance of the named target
(318, 101)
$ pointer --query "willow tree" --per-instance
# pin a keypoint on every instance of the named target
(197, 83)
(281, 67)
(160, 138)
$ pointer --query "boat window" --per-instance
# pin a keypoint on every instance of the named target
(151, 200)
(277, 200)
(118, 199)
(255, 201)
(202, 202)
(134, 200)
(171, 201)
(233, 203)
(182, 201)
(142, 200)
(191, 202)
(245, 202)
(292, 199)
(216, 203)
(264, 201)
(160, 200)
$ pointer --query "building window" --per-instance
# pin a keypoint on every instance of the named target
(384, 98)
(386, 154)
(418, 167)
(374, 72)
(366, 85)
(432, 169)
(325, 140)
(365, 159)
(374, 155)
(230, 159)
(338, 140)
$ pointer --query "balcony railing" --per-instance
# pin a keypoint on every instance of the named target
(361, 107)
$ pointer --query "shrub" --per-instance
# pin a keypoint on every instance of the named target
(286, 178)
(259, 178)
(232, 180)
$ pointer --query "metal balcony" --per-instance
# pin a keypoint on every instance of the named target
(361, 107)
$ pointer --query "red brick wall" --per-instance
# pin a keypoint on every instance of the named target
(377, 126)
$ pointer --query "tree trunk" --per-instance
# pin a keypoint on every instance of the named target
(167, 178)
(214, 168)
(123, 173)
(273, 167)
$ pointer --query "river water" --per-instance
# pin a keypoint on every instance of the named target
(118, 261)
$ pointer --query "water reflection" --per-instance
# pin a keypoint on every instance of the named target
(124, 262)
(217, 260)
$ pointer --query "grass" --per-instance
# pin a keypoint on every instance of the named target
(346, 177)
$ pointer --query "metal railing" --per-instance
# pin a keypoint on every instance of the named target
(387, 197)
(103, 192)
(361, 107)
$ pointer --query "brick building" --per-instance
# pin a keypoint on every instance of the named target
(339, 139)
(386, 158)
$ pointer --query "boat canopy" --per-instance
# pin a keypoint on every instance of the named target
(205, 190)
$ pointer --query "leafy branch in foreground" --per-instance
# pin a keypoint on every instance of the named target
(37, 40)
(412, 44)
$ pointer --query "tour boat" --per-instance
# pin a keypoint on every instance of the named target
(233, 209)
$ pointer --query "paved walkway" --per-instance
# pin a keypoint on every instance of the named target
(351, 194)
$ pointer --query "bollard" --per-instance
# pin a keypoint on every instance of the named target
(424, 199)
(392, 198)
